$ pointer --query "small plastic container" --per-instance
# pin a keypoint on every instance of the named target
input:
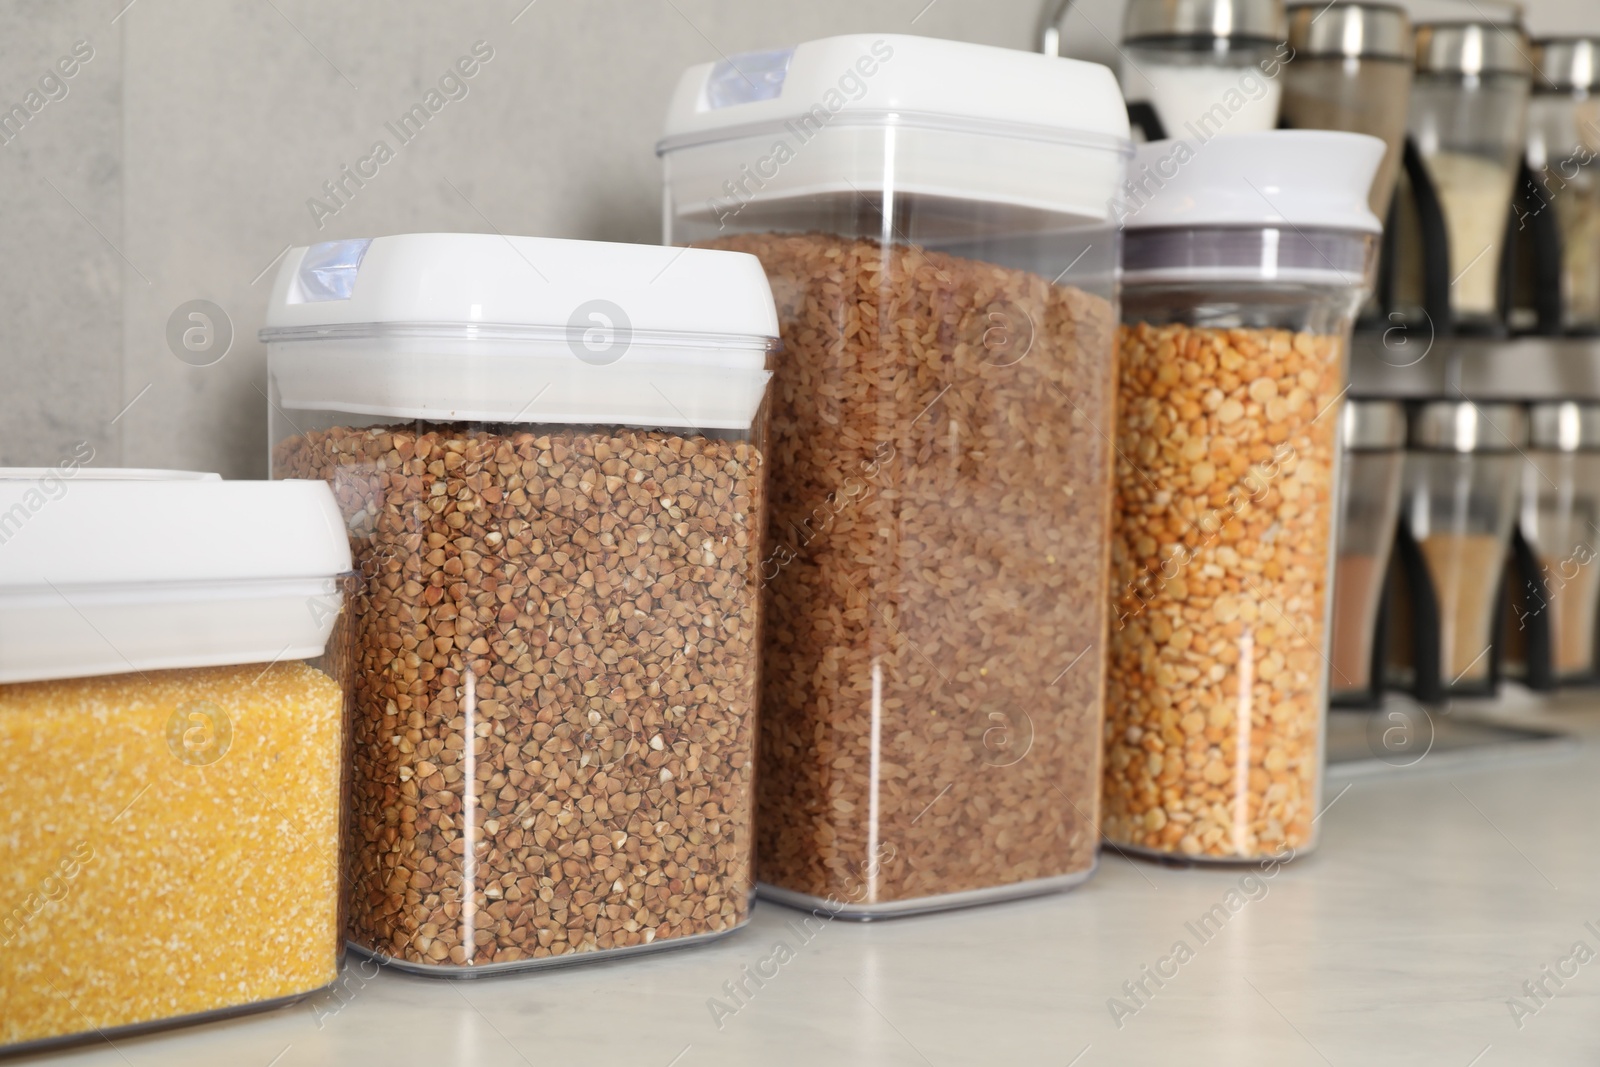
(173, 660)
(1241, 281)
(1563, 146)
(1458, 506)
(551, 462)
(1468, 114)
(1369, 493)
(1205, 67)
(1559, 526)
(1352, 62)
(935, 219)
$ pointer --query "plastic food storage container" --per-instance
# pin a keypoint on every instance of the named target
(172, 730)
(550, 458)
(1563, 144)
(1374, 438)
(1204, 67)
(1559, 526)
(934, 219)
(1237, 309)
(1352, 64)
(1458, 505)
(1468, 113)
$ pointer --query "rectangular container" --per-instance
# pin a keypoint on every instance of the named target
(550, 460)
(934, 218)
(172, 732)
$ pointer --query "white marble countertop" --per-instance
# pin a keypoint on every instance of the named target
(1436, 892)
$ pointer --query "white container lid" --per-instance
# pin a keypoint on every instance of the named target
(1313, 179)
(107, 571)
(482, 327)
(962, 122)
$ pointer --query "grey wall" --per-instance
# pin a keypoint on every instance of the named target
(179, 163)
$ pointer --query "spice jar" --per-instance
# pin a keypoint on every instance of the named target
(1563, 143)
(1468, 111)
(1560, 516)
(172, 722)
(1241, 281)
(1374, 437)
(550, 461)
(1352, 62)
(938, 241)
(1204, 67)
(1458, 504)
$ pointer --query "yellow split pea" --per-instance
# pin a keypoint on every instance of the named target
(170, 844)
(1227, 441)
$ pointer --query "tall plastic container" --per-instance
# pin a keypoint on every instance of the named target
(550, 458)
(173, 671)
(1241, 283)
(934, 218)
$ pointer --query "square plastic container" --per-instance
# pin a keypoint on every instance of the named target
(172, 749)
(550, 459)
(935, 220)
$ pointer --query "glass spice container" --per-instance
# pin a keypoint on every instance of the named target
(1468, 111)
(173, 680)
(1458, 505)
(1374, 437)
(1352, 61)
(1563, 145)
(550, 459)
(1205, 67)
(1237, 310)
(1560, 521)
(934, 219)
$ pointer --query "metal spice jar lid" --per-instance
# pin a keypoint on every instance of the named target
(1239, 20)
(1565, 426)
(1472, 48)
(1373, 425)
(1351, 30)
(1465, 426)
(107, 571)
(1567, 64)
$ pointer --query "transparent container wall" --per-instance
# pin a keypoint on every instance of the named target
(936, 566)
(558, 640)
(1369, 508)
(1560, 520)
(1222, 558)
(1357, 96)
(1459, 507)
(1199, 91)
(135, 809)
(1470, 133)
(1563, 146)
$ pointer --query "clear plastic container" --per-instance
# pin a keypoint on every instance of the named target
(943, 261)
(173, 685)
(1352, 61)
(1563, 145)
(1560, 523)
(550, 459)
(1468, 113)
(1233, 362)
(1205, 67)
(1458, 506)
(1369, 506)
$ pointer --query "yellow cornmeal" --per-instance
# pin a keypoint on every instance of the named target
(180, 887)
